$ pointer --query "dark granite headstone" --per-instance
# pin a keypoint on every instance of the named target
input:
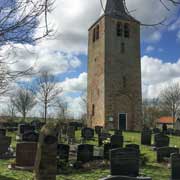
(161, 140)
(85, 153)
(26, 154)
(146, 135)
(87, 133)
(2, 132)
(175, 166)
(107, 148)
(23, 128)
(98, 129)
(124, 161)
(63, 152)
(156, 130)
(135, 146)
(170, 131)
(71, 134)
(30, 137)
(5, 142)
(165, 152)
(118, 132)
(117, 141)
(177, 132)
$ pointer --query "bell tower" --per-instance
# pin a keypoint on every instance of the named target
(114, 70)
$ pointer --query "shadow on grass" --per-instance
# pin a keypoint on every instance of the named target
(5, 178)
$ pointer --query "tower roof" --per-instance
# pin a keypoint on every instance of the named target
(117, 9)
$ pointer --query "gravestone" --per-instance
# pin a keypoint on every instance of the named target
(156, 130)
(98, 129)
(161, 140)
(103, 137)
(87, 133)
(85, 153)
(170, 131)
(30, 137)
(5, 143)
(146, 135)
(118, 132)
(46, 162)
(135, 146)
(126, 178)
(177, 132)
(107, 148)
(165, 152)
(2, 132)
(71, 134)
(23, 128)
(26, 154)
(124, 161)
(117, 141)
(63, 152)
(175, 166)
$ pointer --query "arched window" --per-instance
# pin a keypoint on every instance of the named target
(119, 29)
(126, 30)
(97, 32)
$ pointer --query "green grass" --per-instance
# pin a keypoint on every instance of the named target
(152, 169)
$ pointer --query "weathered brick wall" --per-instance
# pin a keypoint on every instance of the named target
(105, 76)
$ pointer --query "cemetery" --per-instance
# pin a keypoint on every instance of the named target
(117, 120)
(120, 155)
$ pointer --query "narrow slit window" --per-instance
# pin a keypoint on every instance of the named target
(94, 35)
(119, 29)
(124, 82)
(123, 47)
(93, 110)
(126, 30)
(97, 32)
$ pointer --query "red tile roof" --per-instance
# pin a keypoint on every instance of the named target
(165, 120)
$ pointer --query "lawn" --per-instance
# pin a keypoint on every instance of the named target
(152, 169)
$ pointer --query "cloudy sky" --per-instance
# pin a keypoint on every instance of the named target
(66, 54)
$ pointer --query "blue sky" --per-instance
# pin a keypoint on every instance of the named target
(66, 55)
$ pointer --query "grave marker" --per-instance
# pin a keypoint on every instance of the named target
(175, 166)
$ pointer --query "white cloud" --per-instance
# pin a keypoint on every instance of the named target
(156, 75)
(78, 84)
(155, 36)
(150, 49)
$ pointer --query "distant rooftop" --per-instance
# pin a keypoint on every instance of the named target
(165, 120)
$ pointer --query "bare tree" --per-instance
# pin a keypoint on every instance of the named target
(19, 22)
(24, 101)
(62, 109)
(47, 91)
(84, 107)
(170, 99)
(151, 111)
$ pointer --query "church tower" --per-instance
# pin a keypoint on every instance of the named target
(114, 70)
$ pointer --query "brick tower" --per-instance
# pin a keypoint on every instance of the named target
(114, 70)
